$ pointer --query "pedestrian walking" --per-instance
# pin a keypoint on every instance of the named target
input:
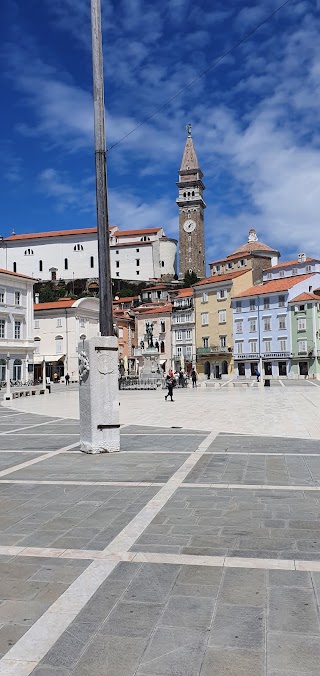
(55, 377)
(257, 374)
(170, 385)
(181, 378)
(194, 378)
(67, 379)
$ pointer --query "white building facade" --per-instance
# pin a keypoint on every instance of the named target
(136, 255)
(58, 329)
(16, 326)
(183, 331)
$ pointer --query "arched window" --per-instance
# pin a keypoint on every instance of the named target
(91, 262)
(78, 247)
(224, 367)
(2, 369)
(17, 367)
(207, 369)
(40, 266)
(37, 345)
(66, 264)
(145, 239)
(28, 252)
(59, 344)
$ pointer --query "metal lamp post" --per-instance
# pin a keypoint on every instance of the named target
(105, 291)
(98, 357)
(8, 391)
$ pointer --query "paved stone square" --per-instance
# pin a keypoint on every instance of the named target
(194, 551)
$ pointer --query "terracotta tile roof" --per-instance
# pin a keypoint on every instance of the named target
(81, 231)
(220, 278)
(158, 309)
(16, 274)
(158, 287)
(55, 305)
(142, 231)
(231, 258)
(55, 233)
(254, 246)
(274, 285)
(120, 245)
(304, 297)
(126, 299)
(295, 262)
(184, 293)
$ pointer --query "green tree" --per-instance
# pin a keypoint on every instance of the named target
(189, 279)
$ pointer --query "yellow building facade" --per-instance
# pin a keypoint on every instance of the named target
(213, 317)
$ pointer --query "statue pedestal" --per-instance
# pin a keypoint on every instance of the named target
(150, 367)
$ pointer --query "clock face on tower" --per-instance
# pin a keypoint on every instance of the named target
(189, 225)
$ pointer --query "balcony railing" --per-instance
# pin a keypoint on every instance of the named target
(276, 355)
(247, 356)
(186, 306)
(213, 349)
(265, 355)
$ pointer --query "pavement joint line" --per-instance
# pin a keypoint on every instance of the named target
(165, 434)
(28, 427)
(38, 640)
(128, 536)
(276, 455)
(17, 450)
(159, 557)
(71, 482)
(45, 456)
(45, 434)
(253, 487)
(12, 415)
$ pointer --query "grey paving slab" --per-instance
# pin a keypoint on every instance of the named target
(228, 443)
(83, 518)
(293, 654)
(293, 609)
(22, 599)
(174, 651)
(233, 523)
(236, 626)
(248, 469)
(39, 442)
(105, 467)
(219, 662)
(176, 431)
(111, 656)
(11, 459)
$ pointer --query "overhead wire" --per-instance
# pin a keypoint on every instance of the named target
(204, 72)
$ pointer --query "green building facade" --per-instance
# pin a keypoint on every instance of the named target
(304, 313)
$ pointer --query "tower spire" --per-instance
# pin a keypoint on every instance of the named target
(189, 159)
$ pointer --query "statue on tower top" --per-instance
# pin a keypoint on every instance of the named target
(188, 129)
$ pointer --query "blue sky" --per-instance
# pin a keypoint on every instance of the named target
(255, 118)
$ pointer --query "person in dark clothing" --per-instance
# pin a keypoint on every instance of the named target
(169, 383)
(257, 374)
(67, 379)
(194, 378)
(181, 378)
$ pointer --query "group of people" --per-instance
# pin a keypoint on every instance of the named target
(56, 378)
(171, 381)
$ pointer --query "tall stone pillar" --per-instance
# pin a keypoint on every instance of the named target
(99, 395)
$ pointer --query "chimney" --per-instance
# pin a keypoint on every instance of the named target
(36, 298)
(301, 257)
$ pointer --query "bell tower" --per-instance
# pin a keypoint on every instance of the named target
(191, 212)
